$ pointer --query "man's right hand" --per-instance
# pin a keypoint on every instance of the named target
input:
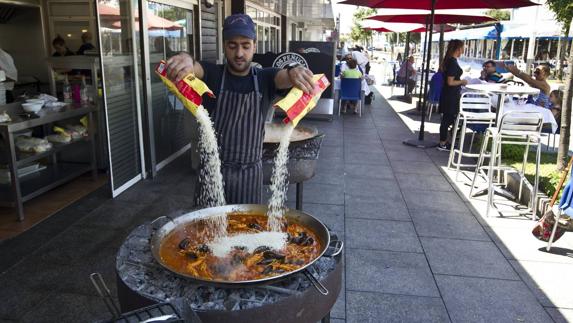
(483, 74)
(179, 66)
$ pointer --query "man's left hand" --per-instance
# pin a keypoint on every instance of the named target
(301, 78)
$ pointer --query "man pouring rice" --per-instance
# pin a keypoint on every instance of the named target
(243, 95)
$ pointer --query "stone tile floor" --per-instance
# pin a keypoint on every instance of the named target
(416, 249)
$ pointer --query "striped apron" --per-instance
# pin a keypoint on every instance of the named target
(239, 124)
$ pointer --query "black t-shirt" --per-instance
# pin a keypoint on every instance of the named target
(242, 84)
(450, 96)
(84, 47)
(452, 68)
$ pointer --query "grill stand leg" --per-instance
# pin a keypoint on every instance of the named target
(326, 318)
(299, 196)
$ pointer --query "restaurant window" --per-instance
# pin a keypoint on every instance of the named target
(71, 31)
(169, 32)
(268, 26)
(118, 29)
(69, 20)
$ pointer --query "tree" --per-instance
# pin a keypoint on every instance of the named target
(498, 14)
(357, 33)
(563, 10)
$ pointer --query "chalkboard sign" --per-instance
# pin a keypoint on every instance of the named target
(316, 56)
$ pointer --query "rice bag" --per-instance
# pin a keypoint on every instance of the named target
(32, 144)
(77, 131)
(4, 117)
(296, 104)
(188, 90)
(61, 136)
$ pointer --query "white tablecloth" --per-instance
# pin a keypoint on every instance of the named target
(365, 86)
(546, 113)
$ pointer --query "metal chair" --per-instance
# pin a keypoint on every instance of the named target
(436, 85)
(475, 114)
(548, 131)
(350, 89)
(516, 128)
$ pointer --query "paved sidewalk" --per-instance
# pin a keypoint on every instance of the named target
(545, 274)
(415, 250)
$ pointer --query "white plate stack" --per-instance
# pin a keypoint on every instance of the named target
(2, 94)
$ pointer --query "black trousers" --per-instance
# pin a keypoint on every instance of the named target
(448, 119)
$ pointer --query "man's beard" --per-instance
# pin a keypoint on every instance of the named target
(238, 69)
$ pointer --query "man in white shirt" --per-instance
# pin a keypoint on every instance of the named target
(360, 59)
(10, 72)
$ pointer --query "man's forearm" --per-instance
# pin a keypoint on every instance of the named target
(282, 80)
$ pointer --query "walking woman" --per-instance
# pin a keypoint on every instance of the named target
(450, 98)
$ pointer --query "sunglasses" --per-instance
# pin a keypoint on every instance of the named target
(537, 72)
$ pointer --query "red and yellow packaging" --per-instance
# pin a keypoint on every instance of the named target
(297, 103)
(188, 90)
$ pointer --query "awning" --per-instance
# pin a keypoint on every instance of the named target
(469, 34)
(541, 30)
(510, 31)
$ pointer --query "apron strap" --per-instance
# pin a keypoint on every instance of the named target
(256, 84)
(223, 78)
(255, 81)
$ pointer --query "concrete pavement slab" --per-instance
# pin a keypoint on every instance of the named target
(389, 272)
(489, 300)
(551, 283)
(367, 307)
(384, 207)
(382, 235)
(467, 258)
(440, 224)
(423, 183)
(428, 200)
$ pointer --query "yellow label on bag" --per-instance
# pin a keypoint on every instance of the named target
(189, 90)
(297, 103)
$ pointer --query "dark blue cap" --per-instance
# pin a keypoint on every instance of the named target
(239, 25)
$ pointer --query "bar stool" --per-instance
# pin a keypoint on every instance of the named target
(475, 114)
(516, 128)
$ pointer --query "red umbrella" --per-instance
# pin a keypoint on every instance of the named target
(416, 30)
(439, 18)
(436, 30)
(441, 4)
(433, 5)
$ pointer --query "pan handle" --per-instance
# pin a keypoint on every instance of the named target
(335, 244)
(317, 284)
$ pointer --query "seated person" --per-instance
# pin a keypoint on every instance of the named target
(489, 73)
(351, 72)
(556, 97)
(407, 74)
(60, 47)
(86, 43)
(539, 81)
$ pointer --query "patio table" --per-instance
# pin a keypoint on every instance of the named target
(545, 113)
(501, 90)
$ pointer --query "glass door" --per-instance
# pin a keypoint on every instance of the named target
(120, 86)
(168, 31)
